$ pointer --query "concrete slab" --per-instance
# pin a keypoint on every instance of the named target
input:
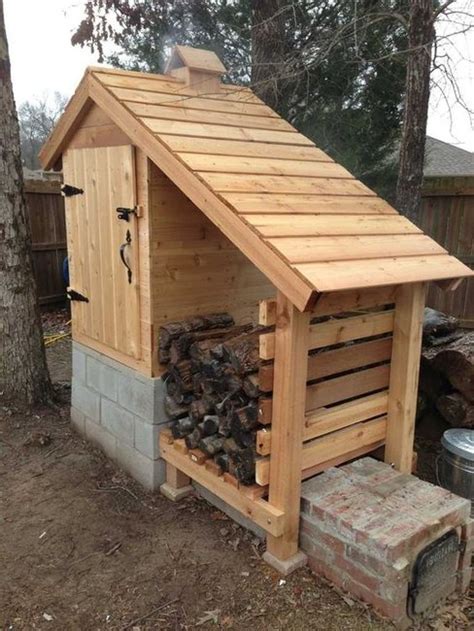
(286, 567)
(175, 495)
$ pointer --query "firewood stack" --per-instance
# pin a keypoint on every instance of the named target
(447, 369)
(212, 390)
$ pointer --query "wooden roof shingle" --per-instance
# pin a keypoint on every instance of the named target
(303, 219)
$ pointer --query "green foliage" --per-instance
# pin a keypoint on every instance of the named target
(341, 81)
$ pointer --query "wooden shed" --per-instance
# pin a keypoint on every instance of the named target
(188, 196)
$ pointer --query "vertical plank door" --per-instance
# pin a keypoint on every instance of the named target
(95, 236)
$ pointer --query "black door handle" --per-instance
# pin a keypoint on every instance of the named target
(128, 241)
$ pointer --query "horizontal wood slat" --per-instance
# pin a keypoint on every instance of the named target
(241, 182)
(340, 276)
(340, 248)
(318, 225)
(225, 132)
(193, 103)
(268, 166)
(319, 203)
(326, 420)
(336, 331)
(333, 445)
(261, 512)
(204, 116)
(162, 83)
(346, 387)
(242, 147)
(335, 361)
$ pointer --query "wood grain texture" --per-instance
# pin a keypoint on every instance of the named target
(405, 366)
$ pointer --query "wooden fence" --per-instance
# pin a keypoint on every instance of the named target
(448, 216)
(45, 208)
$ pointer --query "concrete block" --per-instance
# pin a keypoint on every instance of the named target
(150, 473)
(78, 420)
(85, 400)
(78, 363)
(235, 515)
(101, 438)
(137, 396)
(118, 421)
(175, 495)
(101, 377)
(289, 565)
(146, 438)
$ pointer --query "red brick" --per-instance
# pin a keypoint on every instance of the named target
(324, 538)
(358, 574)
(374, 564)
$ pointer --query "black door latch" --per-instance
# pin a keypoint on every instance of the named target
(68, 191)
(72, 294)
(124, 213)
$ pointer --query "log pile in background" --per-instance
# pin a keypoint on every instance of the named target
(447, 369)
(212, 390)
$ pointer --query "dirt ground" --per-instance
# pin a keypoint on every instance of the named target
(82, 546)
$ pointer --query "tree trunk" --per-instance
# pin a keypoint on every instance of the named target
(412, 150)
(268, 49)
(23, 371)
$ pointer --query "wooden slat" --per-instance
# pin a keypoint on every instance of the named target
(336, 331)
(407, 334)
(240, 147)
(330, 203)
(348, 386)
(312, 249)
(207, 130)
(328, 225)
(337, 444)
(326, 420)
(288, 410)
(335, 361)
(166, 83)
(354, 300)
(193, 103)
(340, 276)
(204, 116)
(269, 166)
(261, 512)
(241, 182)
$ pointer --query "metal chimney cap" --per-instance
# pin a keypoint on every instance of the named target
(459, 441)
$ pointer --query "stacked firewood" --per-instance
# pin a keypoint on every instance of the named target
(447, 369)
(212, 390)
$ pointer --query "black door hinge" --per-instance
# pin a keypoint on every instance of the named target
(124, 213)
(68, 191)
(72, 294)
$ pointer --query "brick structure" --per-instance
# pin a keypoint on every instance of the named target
(364, 524)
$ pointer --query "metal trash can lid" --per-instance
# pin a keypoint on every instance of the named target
(459, 441)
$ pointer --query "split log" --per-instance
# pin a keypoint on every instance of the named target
(182, 427)
(243, 352)
(173, 409)
(182, 373)
(456, 410)
(456, 362)
(200, 407)
(181, 346)
(212, 445)
(244, 465)
(210, 425)
(194, 438)
(222, 460)
(251, 386)
(437, 324)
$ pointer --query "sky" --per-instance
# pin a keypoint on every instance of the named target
(44, 61)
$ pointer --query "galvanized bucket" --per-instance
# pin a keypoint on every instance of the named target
(456, 462)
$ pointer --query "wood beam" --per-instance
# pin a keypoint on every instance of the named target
(404, 372)
(289, 396)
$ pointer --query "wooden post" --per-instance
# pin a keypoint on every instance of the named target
(177, 484)
(404, 371)
(289, 394)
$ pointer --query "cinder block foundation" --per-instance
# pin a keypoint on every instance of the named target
(120, 411)
(363, 526)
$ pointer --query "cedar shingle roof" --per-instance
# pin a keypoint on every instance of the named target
(304, 220)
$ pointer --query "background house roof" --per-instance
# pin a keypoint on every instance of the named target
(445, 160)
(304, 220)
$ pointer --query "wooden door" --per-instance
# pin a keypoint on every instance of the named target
(95, 236)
